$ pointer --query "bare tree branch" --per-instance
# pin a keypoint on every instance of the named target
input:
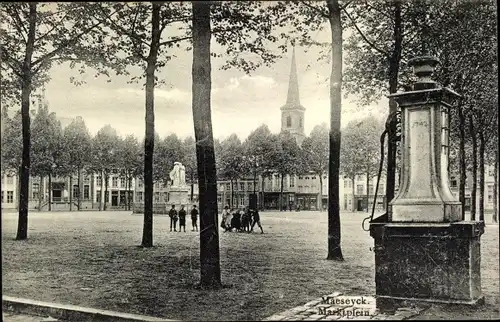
(46, 58)
(316, 9)
(171, 41)
(11, 62)
(371, 44)
(19, 23)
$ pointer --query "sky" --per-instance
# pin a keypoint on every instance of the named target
(240, 102)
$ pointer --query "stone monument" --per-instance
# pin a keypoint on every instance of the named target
(179, 191)
(424, 251)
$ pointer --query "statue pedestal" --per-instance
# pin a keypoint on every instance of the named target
(178, 196)
(427, 262)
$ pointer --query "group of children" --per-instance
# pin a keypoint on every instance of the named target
(241, 220)
(181, 216)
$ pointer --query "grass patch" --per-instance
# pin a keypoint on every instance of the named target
(93, 259)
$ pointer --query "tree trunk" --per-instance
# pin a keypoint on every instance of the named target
(473, 193)
(192, 185)
(101, 192)
(106, 194)
(232, 192)
(482, 148)
(207, 176)
(26, 87)
(394, 63)
(129, 201)
(281, 191)
(321, 193)
(41, 193)
(334, 238)
(147, 231)
(262, 205)
(495, 188)
(461, 152)
(92, 189)
(79, 202)
(353, 207)
(50, 192)
(367, 190)
(70, 193)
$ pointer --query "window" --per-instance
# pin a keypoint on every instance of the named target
(139, 196)
(2, 198)
(10, 179)
(122, 182)
(490, 193)
(453, 183)
(381, 189)
(157, 185)
(165, 197)
(242, 186)
(86, 180)
(359, 189)
(250, 186)
(141, 183)
(228, 186)
(371, 189)
(300, 121)
(114, 182)
(313, 178)
(98, 195)
(349, 202)
(75, 191)
(292, 181)
(242, 200)
(491, 171)
(10, 196)
(86, 192)
(35, 190)
(157, 197)
(99, 181)
(288, 121)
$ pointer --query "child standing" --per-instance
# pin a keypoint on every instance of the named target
(194, 218)
(182, 219)
(173, 218)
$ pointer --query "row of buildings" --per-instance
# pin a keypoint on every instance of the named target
(298, 191)
(302, 191)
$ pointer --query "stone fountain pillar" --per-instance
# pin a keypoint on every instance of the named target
(424, 251)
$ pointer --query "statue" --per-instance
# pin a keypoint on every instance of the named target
(178, 175)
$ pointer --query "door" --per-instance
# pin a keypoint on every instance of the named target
(360, 205)
(114, 201)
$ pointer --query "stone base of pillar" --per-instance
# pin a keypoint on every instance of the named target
(427, 262)
(178, 196)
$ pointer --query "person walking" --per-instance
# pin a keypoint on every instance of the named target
(182, 219)
(173, 218)
(194, 218)
(256, 220)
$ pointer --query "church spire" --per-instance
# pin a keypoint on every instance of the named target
(293, 84)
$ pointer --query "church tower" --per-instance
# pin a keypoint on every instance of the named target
(292, 113)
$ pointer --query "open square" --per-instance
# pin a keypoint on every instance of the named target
(92, 259)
